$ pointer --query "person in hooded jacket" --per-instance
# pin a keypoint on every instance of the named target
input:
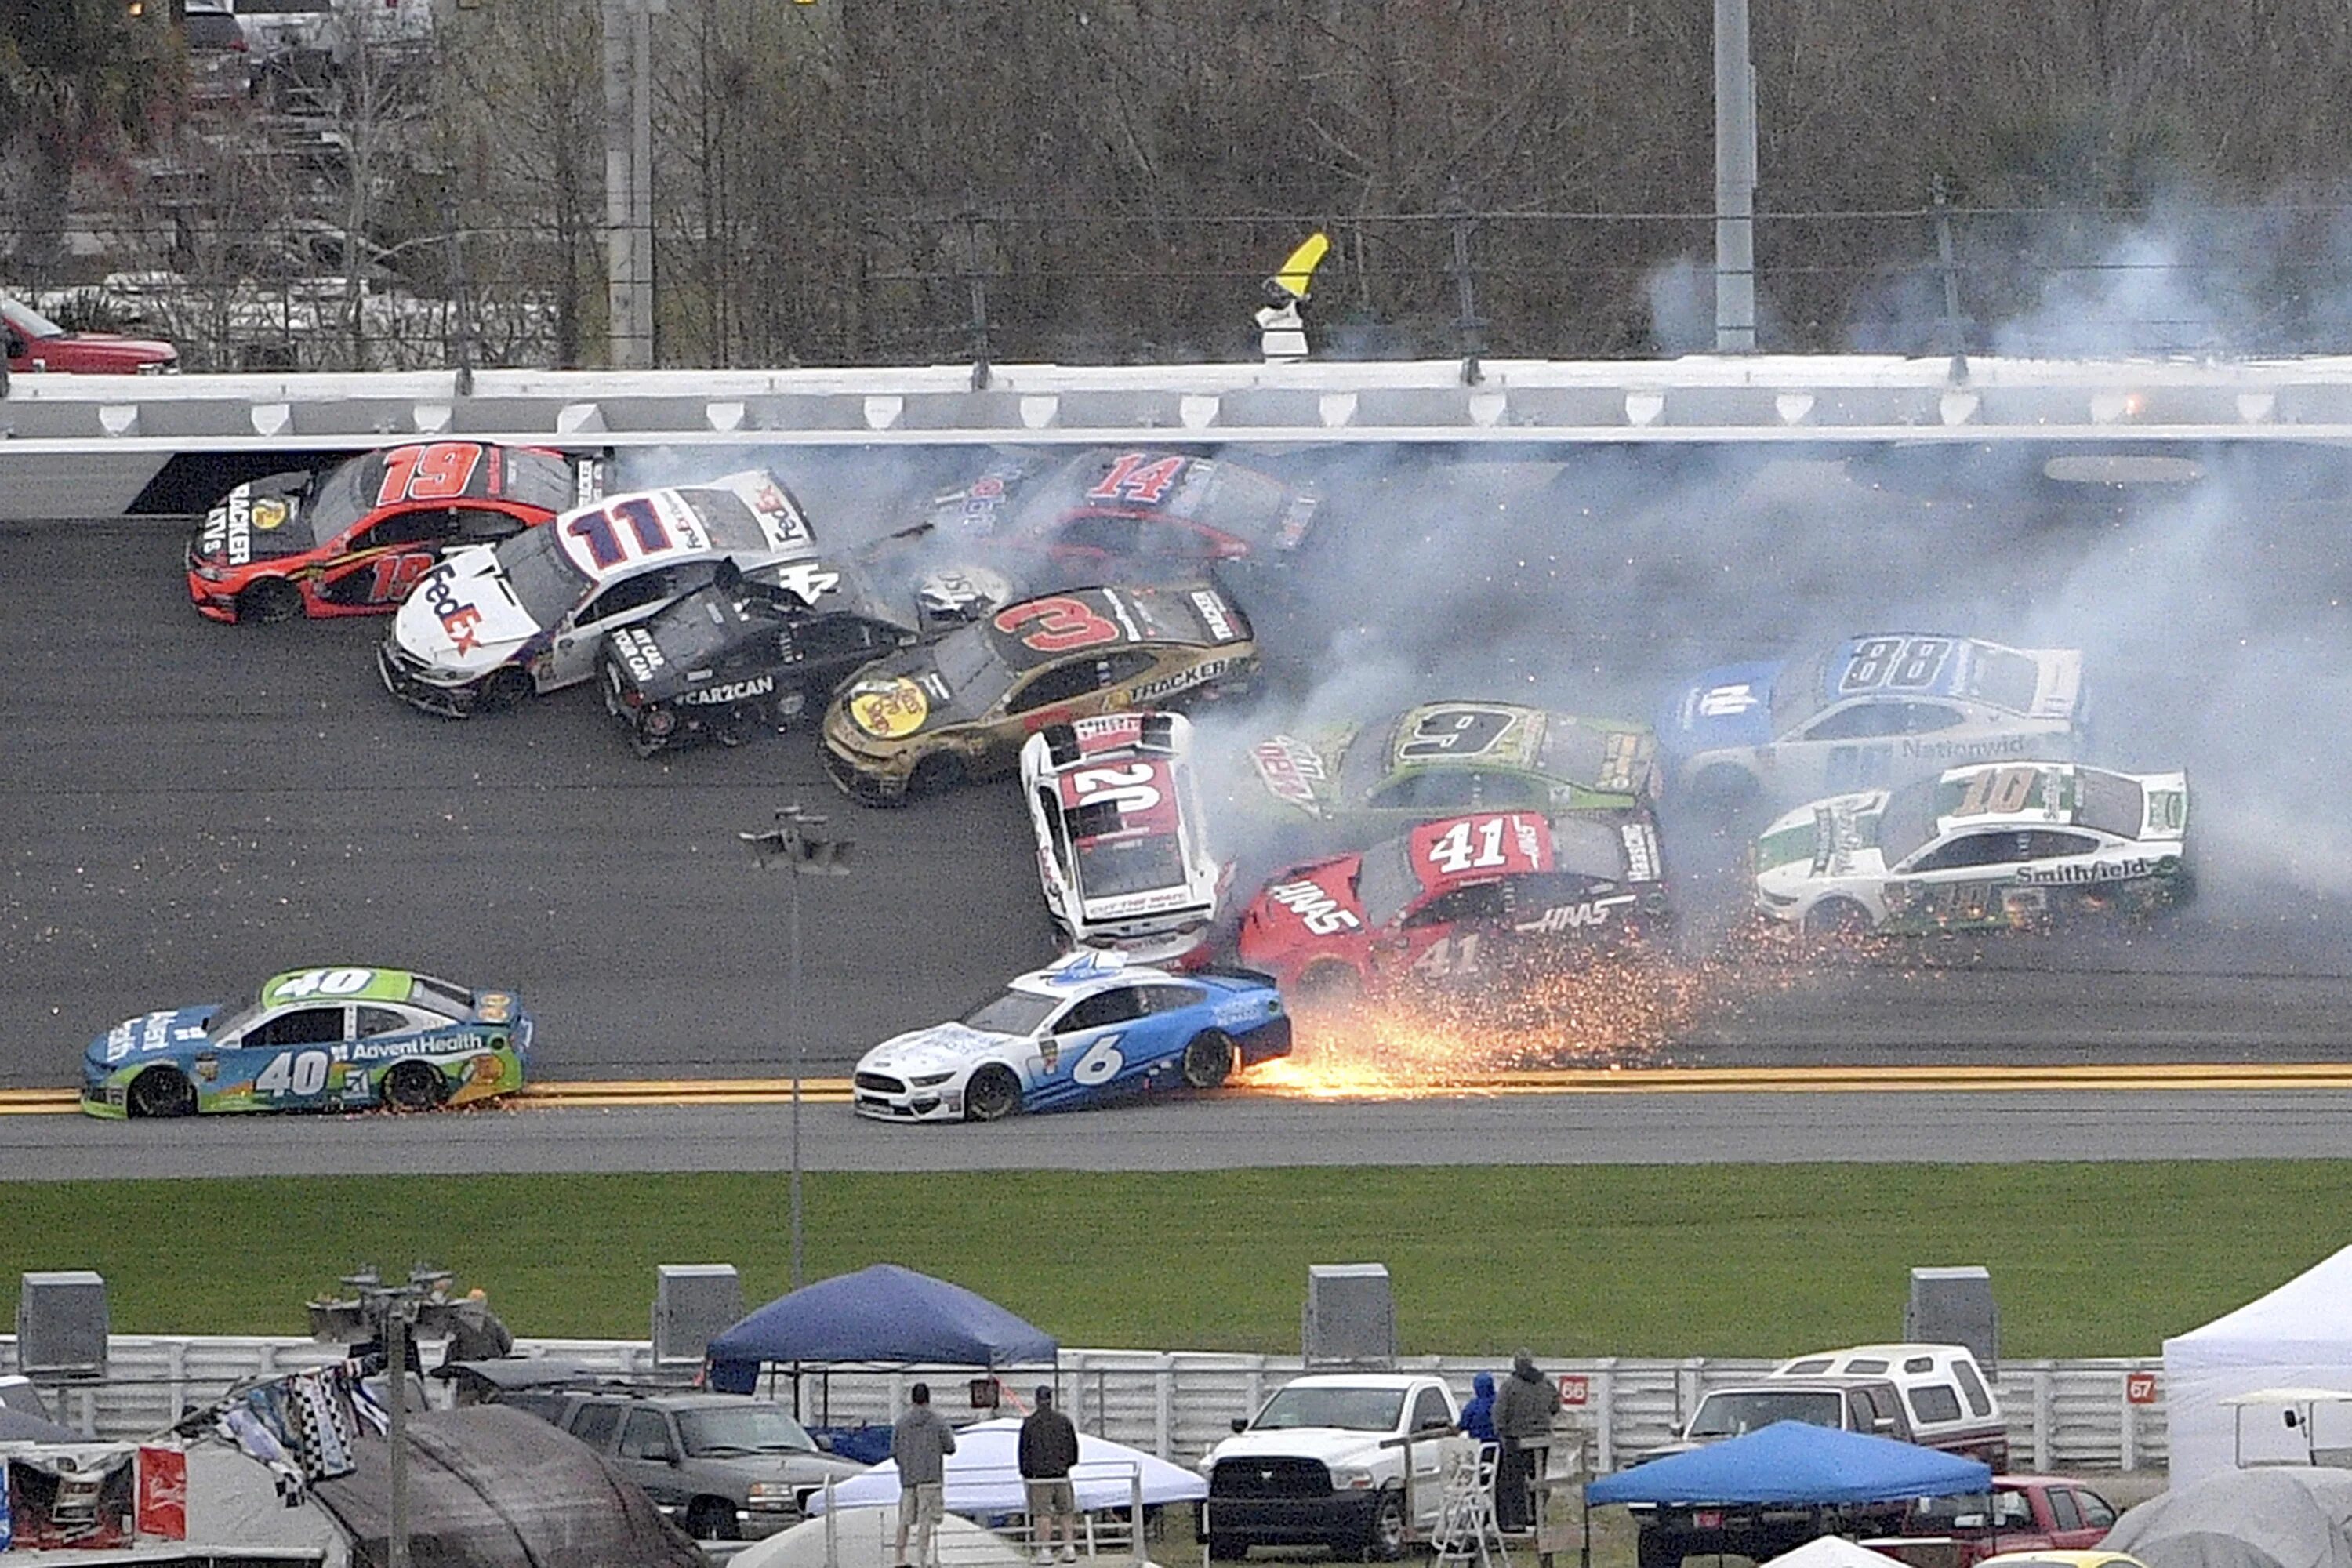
(1478, 1415)
(1523, 1412)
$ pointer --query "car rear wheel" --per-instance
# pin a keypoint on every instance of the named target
(412, 1086)
(936, 775)
(161, 1091)
(993, 1095)
(1208, 1059)
(1837, 917)
(270, 599)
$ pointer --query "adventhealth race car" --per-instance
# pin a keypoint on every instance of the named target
(488, 627)
(1444, 758)
(315, 1039)
(1091, 1029)
(1110, 507)
(1874, 711)
(1993, 844)
(755, 654)
(1464, 897)
(1120, 850)
(928, 719)
(354, 539)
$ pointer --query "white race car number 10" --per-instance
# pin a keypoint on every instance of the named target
(297, 1073)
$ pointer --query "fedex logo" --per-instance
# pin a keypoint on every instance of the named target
(457, 619)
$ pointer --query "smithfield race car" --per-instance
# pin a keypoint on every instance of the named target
(926, 719)
(315, 1039)
(1091, 1029)
(756, 653)
(1110, 509)
(1444, 758)
(1462, 898)
(354, 539)
(1872, 712)
(1120, 850)
(488, 628)
(1991, 845)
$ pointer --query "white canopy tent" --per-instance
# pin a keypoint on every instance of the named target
(983, 1476)
(1834, 1552)
(2300, 1335)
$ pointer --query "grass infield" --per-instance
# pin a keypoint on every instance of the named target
(2086, 1259)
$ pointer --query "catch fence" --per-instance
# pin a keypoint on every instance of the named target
(2087, 1415)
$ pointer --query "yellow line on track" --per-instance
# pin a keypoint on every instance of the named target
(2098, 1077)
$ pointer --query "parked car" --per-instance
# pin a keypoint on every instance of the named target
(2027, 1515)
(220, 61)
(1948, 1400)
(38, 345)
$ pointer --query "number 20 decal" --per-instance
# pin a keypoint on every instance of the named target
(1061, 623)
(1129, 788)
(439, 472)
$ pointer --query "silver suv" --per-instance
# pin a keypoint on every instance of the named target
(726, 1467)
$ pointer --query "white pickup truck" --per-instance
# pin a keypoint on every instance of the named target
(1347, 1461)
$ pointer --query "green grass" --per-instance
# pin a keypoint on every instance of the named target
(2086, 1259)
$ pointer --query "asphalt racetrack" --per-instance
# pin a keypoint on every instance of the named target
(187, 807)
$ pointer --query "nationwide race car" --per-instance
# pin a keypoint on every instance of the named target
(926, 719)
(1108, 507)
(1991, 844)
(353, 540)
(1442, 758)
(315, 1039)
(488, 627)
(1460, 898)
(1874, 712)
(1091, 1029)
(750, 654)
(1120, 850)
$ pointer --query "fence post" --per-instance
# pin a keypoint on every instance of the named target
(979, 282)
(1604, 1430)
(2128, 1458)
(1163, 1403)
(1466, 287)
(2043, 1446)
(1954, 337)
(1135, 1516)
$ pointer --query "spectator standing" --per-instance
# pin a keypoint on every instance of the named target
(1478, 1415)
(1523, 1413)
(477, 1333)
(921, 1443)
(1049, 1447)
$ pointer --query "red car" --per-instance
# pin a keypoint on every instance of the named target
(1114, 506)
(353, 539)
(1458, 897)
(2030, 1513)
(37, 344)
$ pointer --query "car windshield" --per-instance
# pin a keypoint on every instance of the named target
(2003, 678)
(442, 997)
(29, 321)
(542, 577)
(1386, 883)
(340, 498)
(744, 1430)
(1940, 1515)
(1013, 1013)
(2110, 803)
(1145, 863)
(1796, 692)
(231, 1021)
(1348, 1409)
(1729, 1415)
(1908, 821)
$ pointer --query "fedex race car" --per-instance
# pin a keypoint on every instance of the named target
(1120, 850)
(353, 540)
(314, 1039)
(1874, 711)
(1462, 896)
(1993, 844)
(1089, 1029)
(488, 628)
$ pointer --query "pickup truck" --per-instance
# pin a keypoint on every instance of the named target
(1354, 1461)
(2030, 1513)
(34, 345)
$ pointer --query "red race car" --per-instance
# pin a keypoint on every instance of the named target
(353, 539)
(1462, 896)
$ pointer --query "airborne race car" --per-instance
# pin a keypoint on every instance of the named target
(744, 655)
(1091, 1029)
(928, 719)
(487, 628)
(1120, 850)
(1995, 845)
(314, 1039)
(354, 539)
(1872, 712)
(1101, 510)
(1461, 897)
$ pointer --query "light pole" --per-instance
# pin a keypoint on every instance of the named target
(791, 845)
(390, 1314)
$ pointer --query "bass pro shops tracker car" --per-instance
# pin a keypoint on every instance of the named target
(314, 1039)
(488, 628)
(354, 539)
(1091, 1029)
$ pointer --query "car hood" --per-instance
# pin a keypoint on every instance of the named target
(149, 1035)
(1833, 838)
(1726, 707)
(262, 520)
(1332, 1445)
(463, 616)
(942, 1047)
(101, 353)
(798, 1467)
(904, 694)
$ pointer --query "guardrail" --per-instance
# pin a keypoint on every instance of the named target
(2064, 1416)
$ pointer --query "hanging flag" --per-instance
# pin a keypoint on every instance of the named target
(163, 1494)
(7, 1519)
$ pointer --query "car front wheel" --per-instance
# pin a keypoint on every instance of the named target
(993, 1095)
(161, 1091)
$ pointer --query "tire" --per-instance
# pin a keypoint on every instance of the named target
(269, 601)
(1837, 917)
(507, 689)
(1208, 1059)
(412, 1086)
(160, 1091)
(993, 1094)
(935, 774)
(1384, 1537)
(712, 1518)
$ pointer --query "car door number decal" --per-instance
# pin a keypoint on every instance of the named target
(1132, 478)
(395, 575)
(1099, 1063)
(297, 1073)
(1453, 732)
(600, 532)
(1452, 852)
(1450, 955)
(439, 472)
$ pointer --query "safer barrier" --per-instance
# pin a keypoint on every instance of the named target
(2064, 1415)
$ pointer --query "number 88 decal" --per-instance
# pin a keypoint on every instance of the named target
(1898, 663)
